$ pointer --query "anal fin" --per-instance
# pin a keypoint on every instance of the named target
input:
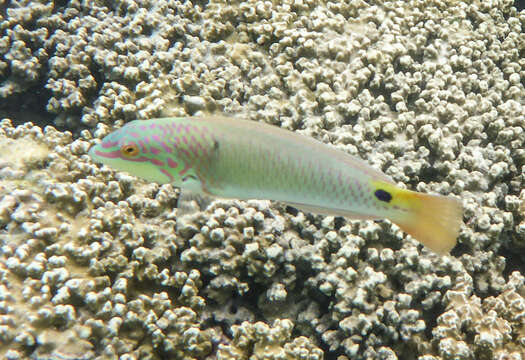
(331, 211)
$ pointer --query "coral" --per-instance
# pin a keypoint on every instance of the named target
(259, 341)
(73, 264)
(414, 115)
(495, 323)
(22, 50)
(429, 92)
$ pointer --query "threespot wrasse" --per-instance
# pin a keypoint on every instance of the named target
(230, 158)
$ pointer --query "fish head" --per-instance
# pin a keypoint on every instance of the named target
(142, 149)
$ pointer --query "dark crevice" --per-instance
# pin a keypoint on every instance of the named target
(460, 249)
(28, 106)
(432, 316)
(98, 74)
(59, 5)
(339, 222)
(202, 3)
(429, 172)
(205, 278)
(3, 8)
(291, 210)
(247, 301)
(377, 91)
(331, 355)
(513, 262)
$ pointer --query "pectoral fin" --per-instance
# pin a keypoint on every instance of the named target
(193, 196)
(191, 201)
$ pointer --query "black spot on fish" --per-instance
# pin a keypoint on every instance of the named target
(383, 195)
(215, 145)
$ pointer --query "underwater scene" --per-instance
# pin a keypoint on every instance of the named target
(262, 180)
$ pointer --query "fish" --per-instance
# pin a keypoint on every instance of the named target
(227, 157)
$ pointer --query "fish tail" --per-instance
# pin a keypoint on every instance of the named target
(433, 220)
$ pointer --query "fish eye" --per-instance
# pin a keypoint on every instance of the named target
(129, 150)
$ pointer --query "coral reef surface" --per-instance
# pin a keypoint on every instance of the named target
(93, 264)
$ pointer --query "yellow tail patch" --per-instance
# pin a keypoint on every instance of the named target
(433, 220)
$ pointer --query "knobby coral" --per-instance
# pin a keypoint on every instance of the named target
(430, 92)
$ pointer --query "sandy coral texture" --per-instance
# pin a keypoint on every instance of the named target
(92, 264)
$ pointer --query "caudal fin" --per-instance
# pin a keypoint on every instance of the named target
(433, 220)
